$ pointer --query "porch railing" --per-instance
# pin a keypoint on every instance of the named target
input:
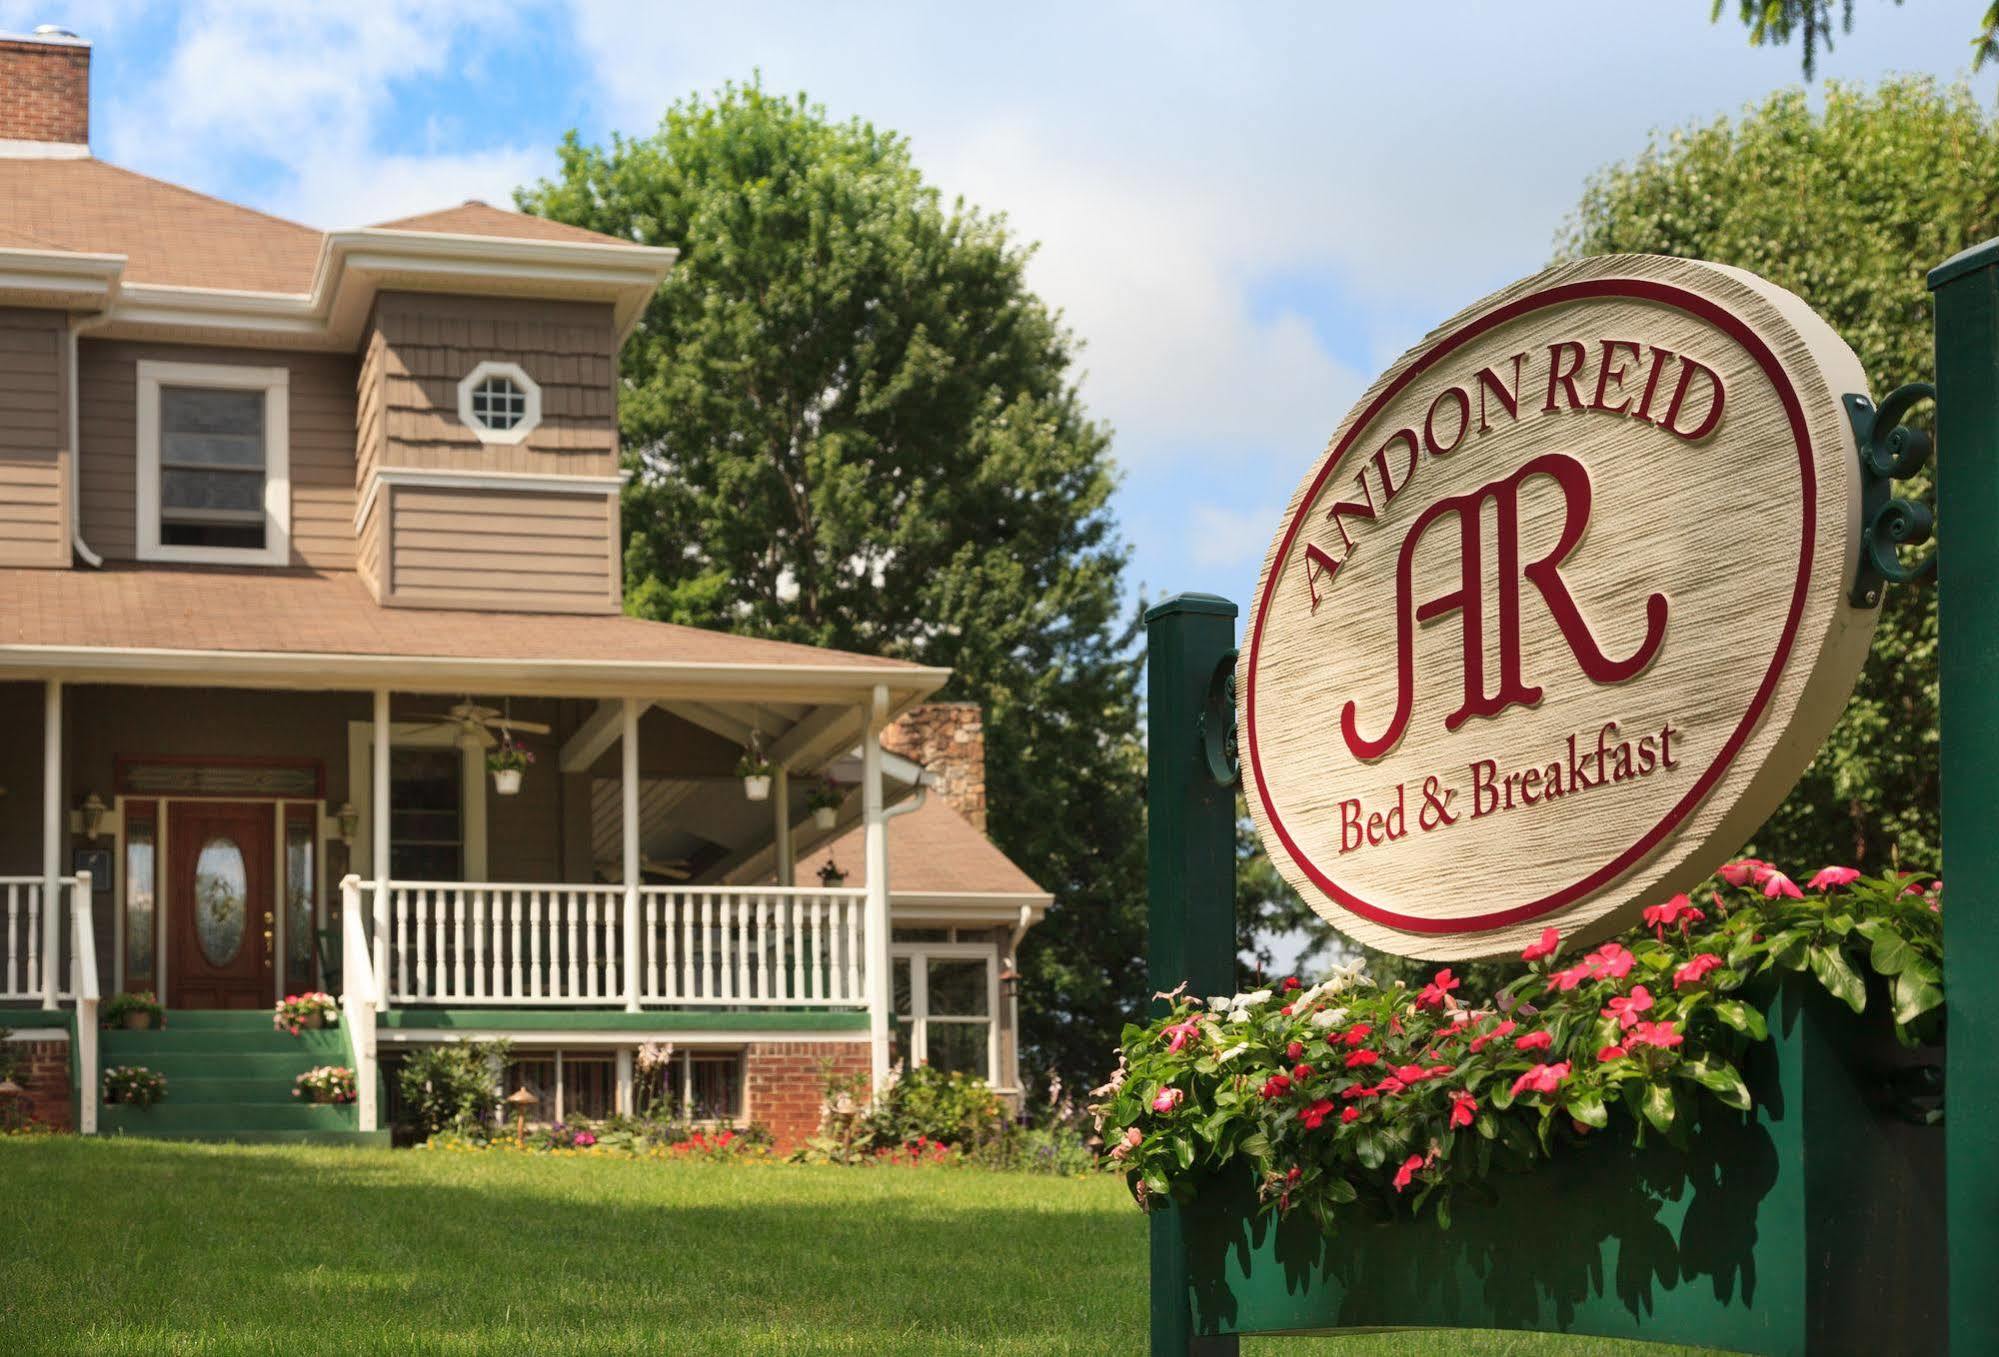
(359, 1001)
(697, 946)
(32, 942)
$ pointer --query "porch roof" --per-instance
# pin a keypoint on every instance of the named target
(302, 629)
(936, 859)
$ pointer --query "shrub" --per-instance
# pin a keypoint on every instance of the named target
(955, 1109)
(116, 1008)
(453, 1088)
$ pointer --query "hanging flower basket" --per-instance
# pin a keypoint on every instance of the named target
(824, 802)
(754, 769)
(507, 762)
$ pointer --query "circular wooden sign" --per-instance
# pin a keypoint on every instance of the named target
(1562, 613)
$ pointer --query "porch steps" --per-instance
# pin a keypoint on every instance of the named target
(229, 1077)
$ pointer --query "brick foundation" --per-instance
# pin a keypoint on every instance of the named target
(44, 1072)
(784, 1081)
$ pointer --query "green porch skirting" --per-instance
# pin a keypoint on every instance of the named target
(777, 1022)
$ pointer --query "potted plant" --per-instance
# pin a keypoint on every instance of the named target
(824, 802)
(326, 1084)
(297, 1012)
(506, 762)
(134, 1085)
(830, 875)
(754, 769)
(136, 1011)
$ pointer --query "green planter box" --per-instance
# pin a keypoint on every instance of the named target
(1814, 1225)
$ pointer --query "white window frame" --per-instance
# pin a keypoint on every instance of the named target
(530, 417)
(416, 735)
(919, 955)
(275, 383)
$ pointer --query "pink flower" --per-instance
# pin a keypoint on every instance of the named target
(1777, 884)
(1696, 970)
(1534, 1041)
(1612, 961)
(1678, 910)
(1179, 1033)
(1276, 1086)
(1568, 979)
(1463, 1108)
(1504, 1029)
(1746, 872)
(1610, 1053)
(1314, 1117)
(1438, 990)
(1831, 878)
(1132, 1136)
(1167, 1100)
(1550, 943)
(1627, 1008)
(1542, 1079)
(1664, 1035)
(1407, 1173)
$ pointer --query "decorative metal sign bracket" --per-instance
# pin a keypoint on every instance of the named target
(1217, 724)
(1890, 451)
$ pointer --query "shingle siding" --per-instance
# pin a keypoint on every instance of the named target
(34, 438)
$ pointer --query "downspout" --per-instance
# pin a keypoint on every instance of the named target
(1013, 999)
(77, 325)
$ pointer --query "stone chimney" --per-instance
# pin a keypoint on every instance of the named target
(948, 739)
(45, 88)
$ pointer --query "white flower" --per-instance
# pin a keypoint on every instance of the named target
(1232, 1052)
(1218, 1003)
(1261, 996)
(1347, 976)
(1329, 1017)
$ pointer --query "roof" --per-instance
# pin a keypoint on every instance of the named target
(168, 234)
(216, 612)
(933, 850)
(474, 218)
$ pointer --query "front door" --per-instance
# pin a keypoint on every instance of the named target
(219, 899)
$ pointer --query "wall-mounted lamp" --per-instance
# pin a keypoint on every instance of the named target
(1009, 982)
(89, 821)
(344, 822)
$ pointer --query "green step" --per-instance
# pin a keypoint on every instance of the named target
(168, 1115)
(266, 1042)
(267, 1089)
(224, 1064)
(230, 1077)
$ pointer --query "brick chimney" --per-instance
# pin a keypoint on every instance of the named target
(948, 739)
(45, 87)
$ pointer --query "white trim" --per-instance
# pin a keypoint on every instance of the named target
(554, 1039)
(919, 955)
(530, 391)
(488, 480)
(60, 1034)
(275, 383)
(360, 790)
(20, 148)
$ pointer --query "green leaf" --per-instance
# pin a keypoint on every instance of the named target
(1370, 1150)
(1830, 966)
(1444, 1211)
(1914, 997)
(1891, 952)
(1742, 1018)
(1340, 1190)
(1660, 1105)
(1588, 1109)
(1183, 1152)
(1788, 949)
(1722, 1080)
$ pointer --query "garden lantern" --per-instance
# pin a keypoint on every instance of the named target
(521, 1101)
(10, 1102)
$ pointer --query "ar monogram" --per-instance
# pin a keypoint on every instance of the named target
(1467, 600)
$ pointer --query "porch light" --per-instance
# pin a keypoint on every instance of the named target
(1009, 982)
(522, 1102)
(830, 875)
(349, 820)
(89, 821)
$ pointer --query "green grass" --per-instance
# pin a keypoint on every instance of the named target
(116, 1247)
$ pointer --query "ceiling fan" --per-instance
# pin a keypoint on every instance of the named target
(476, 724)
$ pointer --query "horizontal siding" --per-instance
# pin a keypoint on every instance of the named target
(506, 549)
(368, 552)
(322, 400)
(428, 345)
(34, 438)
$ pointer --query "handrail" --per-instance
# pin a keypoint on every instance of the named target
(359, 999)
(83, 981)
(855, 892)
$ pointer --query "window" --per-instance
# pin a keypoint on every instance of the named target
(139, 842)
(301, 896)
(499, 402)
(426, 830)
(944, 999)
(213, 461)
(572, 1085)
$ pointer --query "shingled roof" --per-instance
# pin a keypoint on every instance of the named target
(474, 218)
(934, 851)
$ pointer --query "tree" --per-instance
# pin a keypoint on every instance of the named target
(1847, 209)
(851, 424)
(1778, 21)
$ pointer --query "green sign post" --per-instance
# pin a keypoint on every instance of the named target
(1817, 1224)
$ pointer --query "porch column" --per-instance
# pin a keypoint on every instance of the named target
(875, 839)
(629, 787)
(52, 827)
(379, 835)
(780, 800)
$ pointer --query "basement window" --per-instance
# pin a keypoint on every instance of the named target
(499, 403)
(213, 461)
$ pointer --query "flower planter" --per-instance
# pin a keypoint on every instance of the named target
(826, 816)
(507, 781)
(757, 788)
(312, 1021)
(138, 1021)
(1813, 1225)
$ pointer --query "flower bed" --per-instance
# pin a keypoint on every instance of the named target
(1349, 1099)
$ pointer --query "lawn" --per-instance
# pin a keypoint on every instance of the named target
(133, 1247)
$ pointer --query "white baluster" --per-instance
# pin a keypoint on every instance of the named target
(13, 956)
(794, 927)
(34, 939)
(760, 979)
(819, 942)
(534, 944)
(458, 906)
(614, 942)
(440, 963)
(668, 934)
(571, 906)
(402, 943)
(651, 986)
(690, 981)
(853, 994)
(711, 983)
(515, 988)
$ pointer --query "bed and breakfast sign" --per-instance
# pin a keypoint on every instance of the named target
(1562, 613)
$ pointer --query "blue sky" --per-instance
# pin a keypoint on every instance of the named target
(1244, 211)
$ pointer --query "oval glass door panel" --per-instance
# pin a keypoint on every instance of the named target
(221, 900)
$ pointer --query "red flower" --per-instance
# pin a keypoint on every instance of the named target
(1626, 1008)
(1356, 1059)
(1534, 1041)
(1612, 961)
(1387, 1088)
(1830, 878)
(1355, 1091)
(1550, 943)
(1358, 1033)
(1178, 1033)
(1166, 1101)
(1696, 970)
(1411, 1075)
(1296, 1051)
(1664, 1035)
(1290, 983)
(1349, 1114)
(1505, 1028)
(1678, 910)
(1435, 993)
(1777, 884)
(1276, 1086)
(1610, 1053)
(1301, 1073)
(1314, 1117)
(1573, 976)
(1407, 1173)
(1463, 1108)
(1542, 1079)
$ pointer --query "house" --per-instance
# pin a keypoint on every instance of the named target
(296, 527)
